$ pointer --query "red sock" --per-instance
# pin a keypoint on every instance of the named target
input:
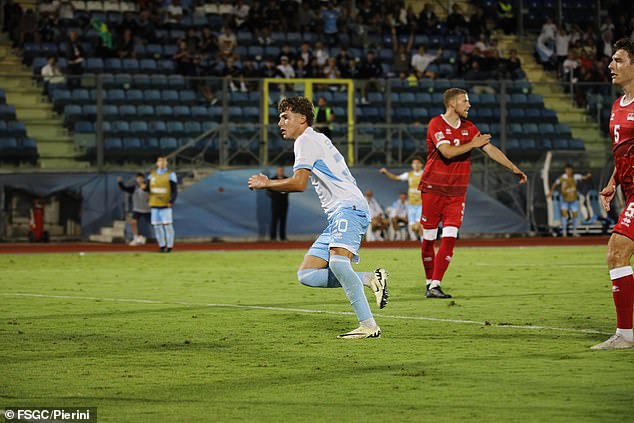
(443, 258)
(428, 255)
(623, 293)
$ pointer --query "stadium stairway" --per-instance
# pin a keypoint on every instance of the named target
(548, 85)
(116, 232)
(54, 145)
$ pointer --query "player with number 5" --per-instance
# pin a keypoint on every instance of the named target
(328, 261)
(621, 244)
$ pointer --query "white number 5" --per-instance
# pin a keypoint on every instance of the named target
(616, 133)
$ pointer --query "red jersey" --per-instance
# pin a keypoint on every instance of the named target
(442, 176)
(622, 132)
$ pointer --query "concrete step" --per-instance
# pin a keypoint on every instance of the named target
(119, 225)
(17, 84)
(112, 232)
(574, 116)
(56, 149)
(101, 238)
(19, 99)
(63, 164)
(49, 130)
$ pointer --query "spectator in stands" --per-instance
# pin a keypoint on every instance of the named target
(456, 22)
(307, 21)
(51, 73)
(193, 41)
(514, 66)
(427, 20)
(477, 22)
(371, 71)
(249, 74)
(305, 52)
(398, 213)
(569, 197)
(331, 70)
(47, 29)
(562, 43)
(570, 68)
(301, 71)
(232, 73)
(146, 28)
(208, 44)
(128, 22)
(506, 16)
(48, 9)
(28, 28)
(227, 43)
(324, 117)
(12, 16)
(258, 24)
(126, 45)
(379, 221)
(421, 61)
(65, 13)
(342, 60)
(544, 48)
(290, 54)
(184, 60)
(321, 54)
(477, 77)
(549, 29)
(464, 64)
(269, 70)
(279, 208)
(285, 68)
(75, 60)
(140, 206)
(329, 15)
(400, 57)
(173, 14)
(240, 13)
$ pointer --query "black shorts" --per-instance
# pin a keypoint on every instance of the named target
(139, 215)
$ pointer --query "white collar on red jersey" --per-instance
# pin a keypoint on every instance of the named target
(623, 98)
(454, 127)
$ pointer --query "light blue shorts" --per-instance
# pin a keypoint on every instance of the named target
(161, 216)
(572, 206)
(345, 229)
(413, 214)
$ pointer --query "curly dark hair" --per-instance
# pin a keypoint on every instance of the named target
(627, 45)
(298, 104)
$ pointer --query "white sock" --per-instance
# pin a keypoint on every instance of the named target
(434, 284)
(427, 282)
(369, 323)
(365, 277)
(627, 334)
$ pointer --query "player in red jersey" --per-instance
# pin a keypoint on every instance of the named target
(621, 244)
(443, 186)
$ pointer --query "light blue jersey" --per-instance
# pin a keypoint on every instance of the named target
(333, 182)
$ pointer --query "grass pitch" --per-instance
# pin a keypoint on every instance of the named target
(150, 337)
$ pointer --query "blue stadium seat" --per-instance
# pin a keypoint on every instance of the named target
(252, 114)
(187, 97)
(141, 81)
(181, 112)
(132, 145)
(152, 97)
(576, 144)
(530, 129)
(127, 112)
(72, 113)
(134, 96)
(84, 127)
(157, 127)
(120, 127)
(175, 128)
(516, 115)
(193, 128)
(113, 65)
(519, 100)
(548, 115)
(423, 99)
(115, 96)
(199, 113)
(535, 100)
(514, 129)
(563, 130)
(94, 65)
(547, 129)
(138, 127)
(168, 144)
(235, 113)
(532, 114)
(154, 50)
(408, 98)
(164, 111)
(560, 143)
(167, 66)
(148, 65)
(159, 81)
(169, 96)
(145, 111)
(176, 82)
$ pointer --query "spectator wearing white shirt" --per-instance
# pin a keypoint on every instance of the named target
(51, 73)
(379, 222)
(240, 13)
(562, 43)
(173, 13)
(285, 68)
(421, 61)
(398, 213)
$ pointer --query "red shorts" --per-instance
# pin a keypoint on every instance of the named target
(439, 208)
(625, 225)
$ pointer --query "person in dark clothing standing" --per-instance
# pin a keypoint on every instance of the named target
(279, 208)
(140, 206)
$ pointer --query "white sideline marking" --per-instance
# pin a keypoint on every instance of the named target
(302, 310)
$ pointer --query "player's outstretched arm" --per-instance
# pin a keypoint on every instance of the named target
(389, 174)
(494, 153)
(450, 151)
(296, 183)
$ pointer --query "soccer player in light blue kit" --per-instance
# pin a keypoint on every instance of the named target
(327, 264)
(163, 187)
